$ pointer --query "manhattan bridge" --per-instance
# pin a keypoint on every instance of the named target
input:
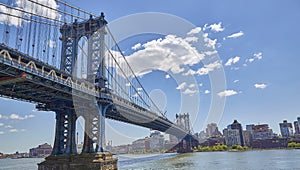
(64, 59)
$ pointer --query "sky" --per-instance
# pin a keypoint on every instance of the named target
(226, 60)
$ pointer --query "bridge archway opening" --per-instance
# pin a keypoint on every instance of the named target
(80, 130)
(82, 58)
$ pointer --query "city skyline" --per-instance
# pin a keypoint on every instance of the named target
(257, 51)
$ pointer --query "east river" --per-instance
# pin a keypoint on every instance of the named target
(248, 160)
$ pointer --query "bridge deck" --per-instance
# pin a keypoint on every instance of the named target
(28, 79)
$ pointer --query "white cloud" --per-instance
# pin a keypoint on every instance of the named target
(260, 86)
(1, 124)
(209, 67)
(227, 93)
(192, 85)
(29, 7)
(10, 20)
(139, 89)
(235, 81)
(235, 35)
(232, 61)
(181, 86)
(209, 42)
(189, 72)
(250, 60)
(18, 117)
(210, 52)
(216, 27)
(258, 55)
(190, 92)
(201, 84)
(51, 44)
(170, 53)
(1, 132)
(0, 116)
(191, 39)
(13, 130)
(194, 31)
(167, 76)
(136, 46)
(206, 92)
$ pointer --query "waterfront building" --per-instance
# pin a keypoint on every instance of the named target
(232, 137)
(270, 143)
(286, 129)
(236, 125)
(156, 141)
(248, 137)
(139, 145)
(212, 130)
(43, 150)
(262, 132)
(296, 126)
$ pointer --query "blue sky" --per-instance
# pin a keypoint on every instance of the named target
(257, 45)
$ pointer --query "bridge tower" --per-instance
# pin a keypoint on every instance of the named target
(187, 143)
(64, 154)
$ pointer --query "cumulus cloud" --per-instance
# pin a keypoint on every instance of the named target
(18, 117)
(192, 85)
(190, 92)
(235, 35)
(209, 42)
(232, 61)
(181, 86)
(1, 124)
(13, 130)
(1, 132)
(206, 92)
(226, 93)
(30, 7)
(260, 86)
(235, 81)
(258, 55)
(209, 68)
(216, 27)
(136, 46)
(167, 76)
(170, 53)
(0, 116)
(10, 20)
(201, 84)
(52, 44)
(194, 31)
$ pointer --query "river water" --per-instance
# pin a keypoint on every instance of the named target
(248, 160)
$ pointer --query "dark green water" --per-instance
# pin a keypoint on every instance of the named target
(249, 160)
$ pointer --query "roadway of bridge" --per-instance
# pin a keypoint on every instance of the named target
(28, 79)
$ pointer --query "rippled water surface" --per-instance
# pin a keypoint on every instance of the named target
(249, 160)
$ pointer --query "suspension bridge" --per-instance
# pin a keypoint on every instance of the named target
(66, 60)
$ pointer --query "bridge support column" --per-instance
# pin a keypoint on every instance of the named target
(88, 141)
(64, 142)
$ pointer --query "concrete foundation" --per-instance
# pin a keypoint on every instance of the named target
(96, 161)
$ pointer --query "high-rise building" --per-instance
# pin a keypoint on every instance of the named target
(156, 141)
(232, 137)
(212, 130)
(286, 129)
(238, 126)
(41, 151)
(296, 125)
(262, 132)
